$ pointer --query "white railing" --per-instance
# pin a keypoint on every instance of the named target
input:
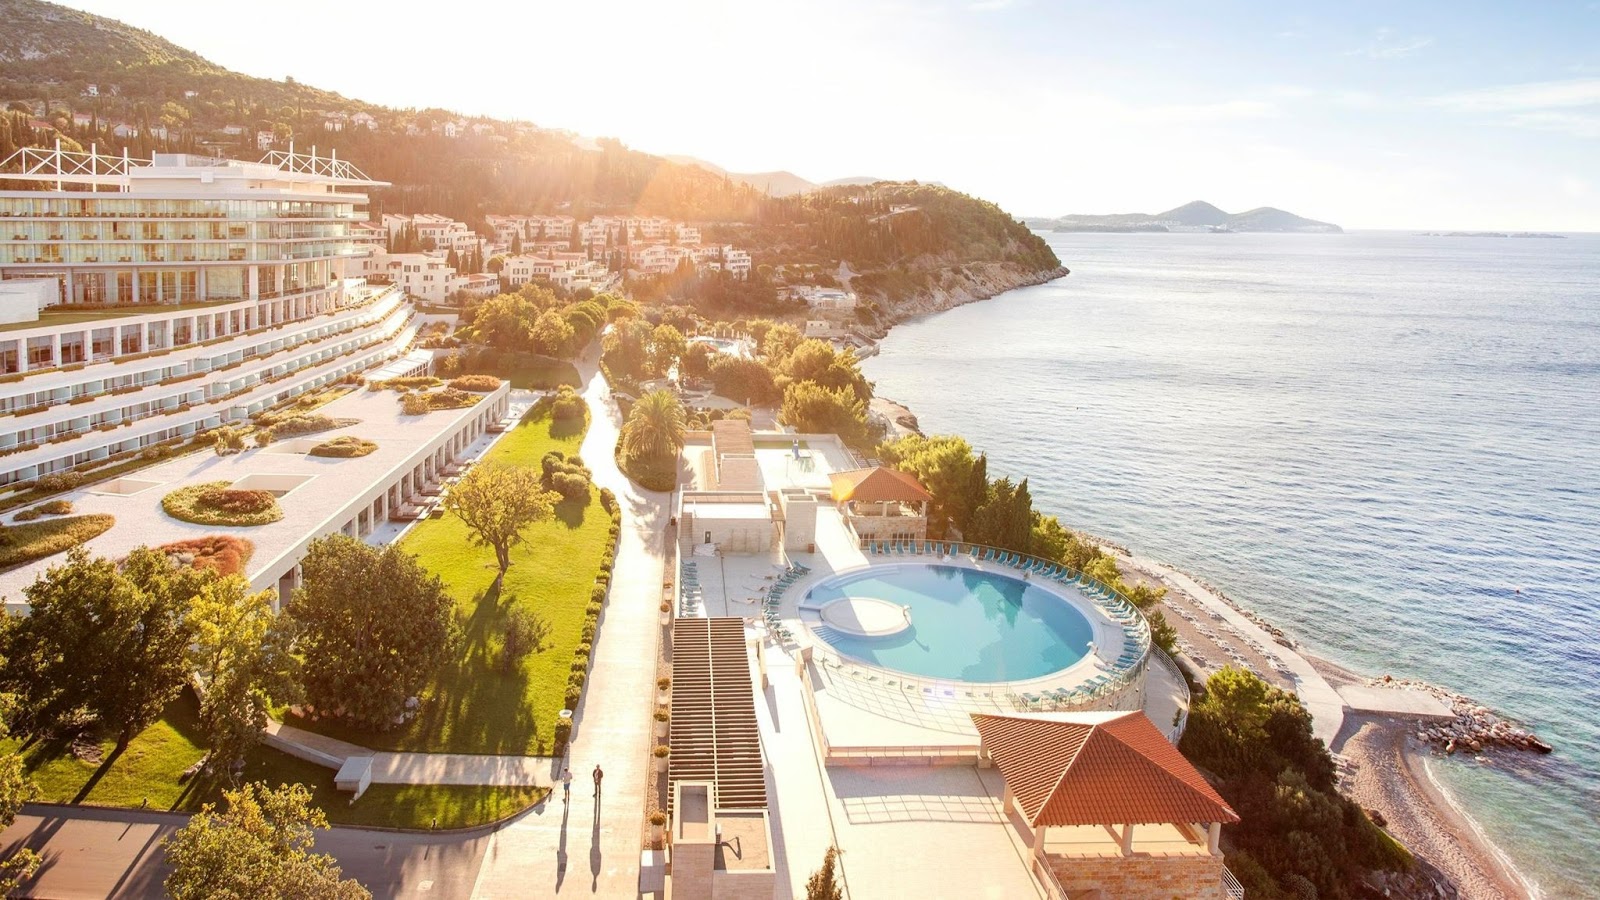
(1047, 879)
(58, 163)
(1174, 730)
(312, 164)
(1231, 885)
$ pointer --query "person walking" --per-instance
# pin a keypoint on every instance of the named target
(598, 775)
(566, 784)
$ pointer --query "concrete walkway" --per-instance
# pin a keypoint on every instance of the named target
(592, 846)
(413, 768)
(1324, 703)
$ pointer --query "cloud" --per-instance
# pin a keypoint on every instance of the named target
(1576, 124)
(1227, 110)
(990, 5)
(1385, 46)
(1574, 92)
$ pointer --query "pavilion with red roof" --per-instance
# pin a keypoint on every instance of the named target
(881, 504)
(1083, 782)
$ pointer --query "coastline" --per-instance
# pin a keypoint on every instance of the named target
(1382, 767)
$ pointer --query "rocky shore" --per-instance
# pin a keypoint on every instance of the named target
(966, 284)
(1475, 729)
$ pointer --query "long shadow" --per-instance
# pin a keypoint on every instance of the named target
(571, 512)
(594, 849)
(561, 849)
(88, 786)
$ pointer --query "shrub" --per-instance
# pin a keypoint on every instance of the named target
(263, 437)
(228, 440)
(344, 447)
(60, 481)
(593, 609)
(662, 714)
(663, 684)
(25, 543)
(414, 404)
(563, 733)
(481, 384)
(574, 694)
(662, 751)
(297, 425)
(223, 553)
(27, 515)
(658, 818)
(568, 406)
(214, 503)
(570, 486)
(608, 501)
(156, 452)
(407, 383)
(597, 594)
(450, 398)
(587, 634)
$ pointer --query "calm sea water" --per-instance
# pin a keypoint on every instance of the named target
(1388, 444)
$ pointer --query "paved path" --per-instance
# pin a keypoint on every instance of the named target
(590, 847)
(1324, 703)
(92, 853)
(413, 768)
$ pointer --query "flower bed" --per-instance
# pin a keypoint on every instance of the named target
(224, 553)
(343, 447)
(298, 425)
(49, 508)
(415, 404)
(21, 544)
(214, 503)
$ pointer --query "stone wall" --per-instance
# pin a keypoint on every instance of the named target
(1143, 877)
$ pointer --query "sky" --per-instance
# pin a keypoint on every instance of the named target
(1458, 115)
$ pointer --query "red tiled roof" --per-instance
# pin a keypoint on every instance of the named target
(878, 485)
(1097, 769)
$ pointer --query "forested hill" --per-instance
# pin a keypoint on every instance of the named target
(90, 80)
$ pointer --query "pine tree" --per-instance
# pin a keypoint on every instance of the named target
(821, 885)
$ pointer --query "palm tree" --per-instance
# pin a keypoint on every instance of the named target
(655, 427)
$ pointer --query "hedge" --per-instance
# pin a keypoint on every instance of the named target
(20, 544)
(213, 503)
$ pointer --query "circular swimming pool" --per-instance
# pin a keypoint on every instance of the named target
(963, 624)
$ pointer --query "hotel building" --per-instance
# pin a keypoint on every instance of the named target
(142, 301)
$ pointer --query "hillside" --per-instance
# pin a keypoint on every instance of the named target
(1194, 216)
(84, 79)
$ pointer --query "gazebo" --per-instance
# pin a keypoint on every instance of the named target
(881, 504)
(1083, 782)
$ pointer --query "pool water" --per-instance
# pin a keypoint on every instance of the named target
(966, 625)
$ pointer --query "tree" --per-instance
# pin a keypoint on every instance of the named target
(242, 656)
(526, 632)
(821, 885)
(132, 621)
(814, 360)
(814, 409)
(655, 428)
(15, 790)
(260, 846)
(667, 345)
(779, 341)
(696, 360)
(1005, 519)
(551, 334)
(625, 350)
(498, 503)
(371, 627)
(743, 379)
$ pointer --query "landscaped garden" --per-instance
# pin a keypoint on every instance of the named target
(476, 704)
(224, 553)
(214, 503)
(25, 543)
(343, 447)
(153, 770)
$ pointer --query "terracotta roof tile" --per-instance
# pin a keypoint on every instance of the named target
(878, 485)
(1097, 769)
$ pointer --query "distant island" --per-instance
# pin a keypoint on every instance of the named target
(1198, 216)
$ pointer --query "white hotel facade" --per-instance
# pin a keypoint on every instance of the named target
(143, 301)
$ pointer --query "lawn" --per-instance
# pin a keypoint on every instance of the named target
(151, 767)
(475, 706)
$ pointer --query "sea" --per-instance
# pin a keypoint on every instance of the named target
(1386, 443)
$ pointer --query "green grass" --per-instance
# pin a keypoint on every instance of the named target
(474, 706)
(539, 374)
(21, 544)
(150, 768)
